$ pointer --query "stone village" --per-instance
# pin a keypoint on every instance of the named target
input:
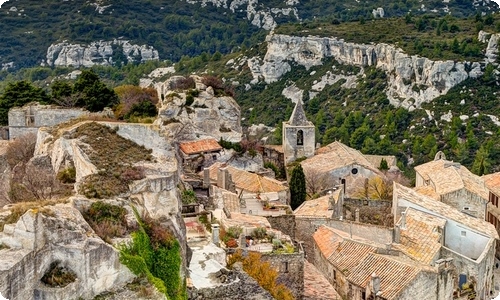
(437, 240)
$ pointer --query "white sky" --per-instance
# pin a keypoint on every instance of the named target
(3, 1)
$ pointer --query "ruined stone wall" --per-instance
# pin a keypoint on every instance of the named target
(283, 223)
(290, 269)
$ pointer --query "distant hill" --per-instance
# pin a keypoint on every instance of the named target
(176, 28)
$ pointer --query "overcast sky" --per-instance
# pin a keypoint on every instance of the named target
(3, 1)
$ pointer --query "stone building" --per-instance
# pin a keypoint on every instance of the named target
(29, 118)
(361, 269)
(453, 184)
(298, 135)
(466, 241)
(492, 183)
(338, 164)
(198, 154)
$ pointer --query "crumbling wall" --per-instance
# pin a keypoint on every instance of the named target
(290, 267)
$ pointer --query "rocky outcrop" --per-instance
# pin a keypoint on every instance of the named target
(412, 80)
(259, 14)
(207, 116)
(97, 53)
(59, 235)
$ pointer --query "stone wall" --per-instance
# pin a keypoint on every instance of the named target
(283, 223)
(291, 150)
(367, 202)
(290, 269)
(305, 228)
(244, 288)
(467, 202)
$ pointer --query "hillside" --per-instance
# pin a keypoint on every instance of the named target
(178, 27)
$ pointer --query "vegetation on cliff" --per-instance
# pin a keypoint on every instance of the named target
(155, 254)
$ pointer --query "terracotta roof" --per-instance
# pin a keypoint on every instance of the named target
(249, 182)
(278, 148)
(194, 147)
(394, 275)
(238, 219)
(421, 238)
(317, 208)
(443, 210)
(327, 240)
(447, 177)
(428, 191)
(316, 286)
(492, 182)
(340, 249)
(337, 155)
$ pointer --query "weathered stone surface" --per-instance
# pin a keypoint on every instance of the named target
(404, 71)
(59, 234)
(208, 116)
(96, 53)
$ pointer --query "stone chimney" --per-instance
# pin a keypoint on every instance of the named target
(375, 284)
(356, 215)
(402, 223)
(222, 178)
(206, 178)
(215, 234)
(397, 234)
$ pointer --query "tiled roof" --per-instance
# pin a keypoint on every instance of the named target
(327, 240)
(447, 177)
(428, 191)
(492, 182)
(316, 286)
(317, 208)
(238, 219)
(249, 182)
(421, 238)
(340, 249)
(444, 210)
(337, 155)
(194, 147)
(394, 275)
(376, 159)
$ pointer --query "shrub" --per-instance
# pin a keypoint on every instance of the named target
(232, 243)
(234, 232)
(107, 220)
(188, 197)
(184, 83)
(259, 233)
(67, 175)
(220, 89)
(189, 100)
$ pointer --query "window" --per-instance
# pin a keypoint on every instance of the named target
(334, 275)
(354, 171)
(214, 157)
(300, 138)
(466, 208)
(285, 267)
(463, 233)
(363, 295)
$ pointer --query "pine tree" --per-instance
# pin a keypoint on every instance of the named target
(297, 187)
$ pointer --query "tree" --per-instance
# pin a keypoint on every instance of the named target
(375, 188)
(316, 182)
(481, 163)
(297, 187)
(18, 94)
(95, 94)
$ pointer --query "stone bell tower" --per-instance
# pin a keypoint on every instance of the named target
(298, 135)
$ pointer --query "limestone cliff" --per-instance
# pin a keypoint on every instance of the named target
(259, 14)
(412, 80)
(65, 54)
(208, 115)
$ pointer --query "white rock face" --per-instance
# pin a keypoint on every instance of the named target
(97, 53)
(259, 14)
(39, 239)
(209, 116)
(404, 71)
(492, 49)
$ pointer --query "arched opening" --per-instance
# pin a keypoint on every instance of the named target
(300, 138)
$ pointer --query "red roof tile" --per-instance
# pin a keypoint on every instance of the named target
(195, 147)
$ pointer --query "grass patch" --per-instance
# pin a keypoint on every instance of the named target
(58, 276)
(107, 220)
(114, 157)
(19, 209)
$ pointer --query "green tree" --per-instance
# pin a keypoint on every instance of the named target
(481, 163)
(18, 94)
(95, 94)
(297, 187)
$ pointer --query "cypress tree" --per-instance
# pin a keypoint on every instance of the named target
(297, 187)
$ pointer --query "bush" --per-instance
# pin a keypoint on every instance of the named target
(184, 83)
(67, 175)
(259, 233)
(188, 197)
(107, 220)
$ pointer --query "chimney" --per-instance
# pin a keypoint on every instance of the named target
(222, 178)
(206, 178)
(356, 215)
(375, 283)
(215, 234)
(402, 223)
(397, 234)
